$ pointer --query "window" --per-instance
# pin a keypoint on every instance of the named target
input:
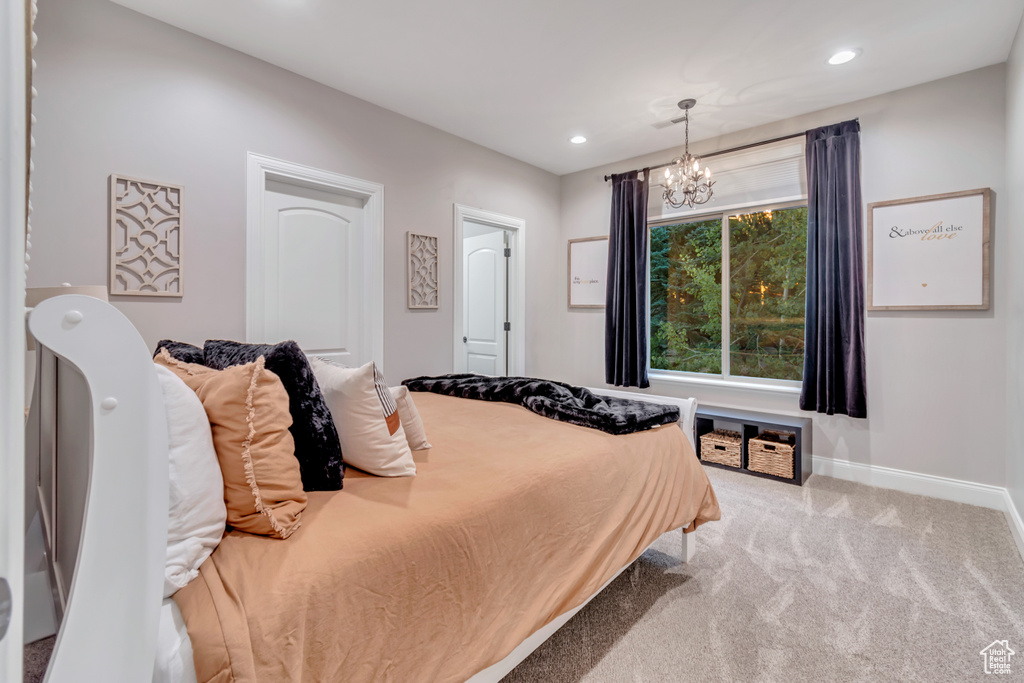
(752, 266)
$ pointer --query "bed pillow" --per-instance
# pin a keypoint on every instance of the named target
(181, 351)
(247, 407)
(415, 434)
(317, 446)
(369, 426)
(196, 519)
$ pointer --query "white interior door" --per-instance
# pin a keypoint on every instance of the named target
(485, 303)
(313, 270)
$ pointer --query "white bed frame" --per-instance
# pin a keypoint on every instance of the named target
(101, 502)
(97, 486)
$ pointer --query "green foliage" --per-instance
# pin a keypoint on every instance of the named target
(767, 256)
(686, 297)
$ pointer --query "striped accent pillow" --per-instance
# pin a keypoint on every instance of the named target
(387, 401)
(380, 385)
(367, 417)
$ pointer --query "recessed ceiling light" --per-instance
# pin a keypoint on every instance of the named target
(843, 56)
(577, 139)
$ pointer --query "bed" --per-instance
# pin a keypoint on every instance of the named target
(513, 523)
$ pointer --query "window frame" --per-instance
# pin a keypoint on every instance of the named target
(725, 378)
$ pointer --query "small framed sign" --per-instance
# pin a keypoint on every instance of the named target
(930, 253)
(588, 271)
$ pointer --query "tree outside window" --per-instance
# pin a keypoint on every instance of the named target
(765, 265)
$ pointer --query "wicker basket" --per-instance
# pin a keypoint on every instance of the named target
(772, 453)
(723, 447)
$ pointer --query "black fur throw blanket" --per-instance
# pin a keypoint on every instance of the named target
(555, 400)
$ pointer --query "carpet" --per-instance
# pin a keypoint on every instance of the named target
(37, 656)
(832, 581)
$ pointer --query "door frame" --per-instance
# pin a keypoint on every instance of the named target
(13, 212)
(516, 229)
(259, 169)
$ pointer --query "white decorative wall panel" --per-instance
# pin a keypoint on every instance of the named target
(423, 287)
(145, 238)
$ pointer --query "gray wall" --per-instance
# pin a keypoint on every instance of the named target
(122, 93)
(936, 380)
(1014, 207)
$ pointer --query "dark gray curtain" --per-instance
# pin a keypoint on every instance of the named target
(834, 326)
(625, 327)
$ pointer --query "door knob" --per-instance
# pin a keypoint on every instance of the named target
(5, 607)
(464, 340)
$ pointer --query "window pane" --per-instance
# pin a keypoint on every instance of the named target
(767, 271)
(686, 297)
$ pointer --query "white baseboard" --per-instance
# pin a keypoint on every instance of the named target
(956, 490)
(40, 620)
(1014, 520)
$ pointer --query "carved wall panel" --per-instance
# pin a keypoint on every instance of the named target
(423, 287)
(145, 238)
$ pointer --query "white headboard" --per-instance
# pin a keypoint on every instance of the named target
(687, 406)
(97, 477)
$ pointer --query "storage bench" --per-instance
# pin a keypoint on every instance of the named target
(771, 446)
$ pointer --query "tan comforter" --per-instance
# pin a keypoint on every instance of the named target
(511, 520)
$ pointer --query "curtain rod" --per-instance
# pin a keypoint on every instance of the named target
(728, 151)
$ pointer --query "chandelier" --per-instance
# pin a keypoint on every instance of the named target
(685, 183)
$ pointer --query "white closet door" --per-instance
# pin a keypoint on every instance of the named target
(312, 271)
(484, 310)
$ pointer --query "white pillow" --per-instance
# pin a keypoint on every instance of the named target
(197, 515)
(415, 434)
(367, 418)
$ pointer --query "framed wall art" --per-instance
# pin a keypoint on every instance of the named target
(423, 286)
(930, 253)
(588, 272)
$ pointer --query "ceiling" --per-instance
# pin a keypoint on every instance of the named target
(523, 76)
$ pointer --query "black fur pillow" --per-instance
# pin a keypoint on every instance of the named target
(317, 447)
(180, 350)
